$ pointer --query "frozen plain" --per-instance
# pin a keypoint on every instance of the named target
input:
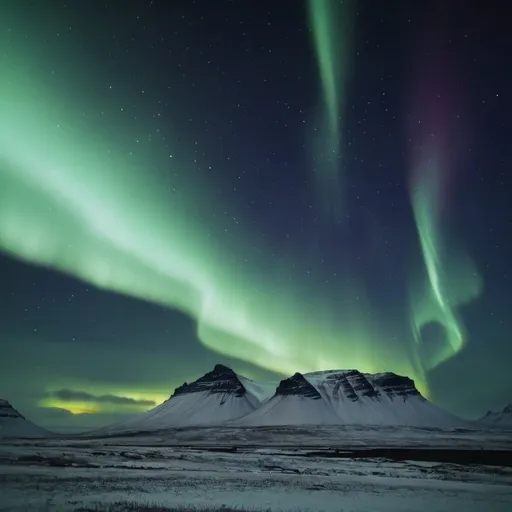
(261, 469)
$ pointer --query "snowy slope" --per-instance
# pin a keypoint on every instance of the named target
(261, 390)
(348, 397)
(501, 419)
(215, 398)
(13, 424)
(295, 402)
(378, 399)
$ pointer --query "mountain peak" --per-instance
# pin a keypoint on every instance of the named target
(297, 385)
(220, 368)
(8, 411)
(13, 424)
(221, 380)
(499, 419)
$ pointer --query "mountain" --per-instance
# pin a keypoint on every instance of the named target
(501, 419)
(295, 402)
(13, 424)
(333, 397)
(348, 397)
(213, 399)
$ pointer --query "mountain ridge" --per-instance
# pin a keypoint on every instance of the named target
(500, 419)
(330, 397)
(348, 397)
(220, 380)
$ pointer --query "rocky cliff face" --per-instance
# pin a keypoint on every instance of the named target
(354, 385)
(395, 385)
(349, 384)
(8, 411)
(297, 385)
(220, 380)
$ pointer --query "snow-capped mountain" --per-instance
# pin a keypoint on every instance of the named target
(501, 419)
(334, 397)
(295, 402)
(348, 397)
(13, 424)
(217, 397)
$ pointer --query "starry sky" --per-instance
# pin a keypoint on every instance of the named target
(275, 186)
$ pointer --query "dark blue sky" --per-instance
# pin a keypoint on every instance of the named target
(236, 83)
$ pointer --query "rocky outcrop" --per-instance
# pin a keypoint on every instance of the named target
(354, 385)
(297, 385)
(221, 379)
(8, 411)
(395, 385)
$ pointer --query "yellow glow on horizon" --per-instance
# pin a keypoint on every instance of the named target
(72, 407)
(103, 406)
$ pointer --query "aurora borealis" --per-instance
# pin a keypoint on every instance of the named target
(331, 26)
(451, 277)
(160, 211)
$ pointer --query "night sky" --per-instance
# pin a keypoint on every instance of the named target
(275, 186)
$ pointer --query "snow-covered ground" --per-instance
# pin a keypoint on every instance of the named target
(69, 474)
(347, 436)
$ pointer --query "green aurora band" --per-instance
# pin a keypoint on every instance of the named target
(73, 201)
(451, 278)
(331, 25)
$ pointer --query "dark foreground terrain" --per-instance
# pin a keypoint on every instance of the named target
(210, 470)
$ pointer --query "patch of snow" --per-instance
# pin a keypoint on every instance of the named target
(262, 390)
